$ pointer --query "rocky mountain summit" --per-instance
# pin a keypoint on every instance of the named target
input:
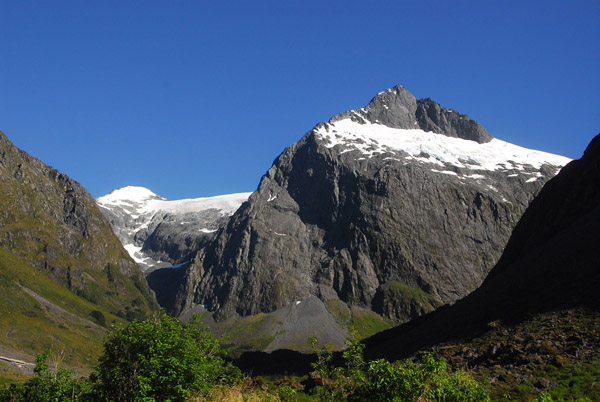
(371, 212)
(64, 275)
(157, 232)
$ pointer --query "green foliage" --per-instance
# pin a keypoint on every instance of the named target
(340, 312)
(154, 360)
(380, 380)
(546, 397)
(160, 360)
(47, 385)
(412, 293)
(365, 323)
(575, 381)
(286, 393)
(33, 325)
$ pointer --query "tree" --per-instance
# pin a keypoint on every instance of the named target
(160, 360)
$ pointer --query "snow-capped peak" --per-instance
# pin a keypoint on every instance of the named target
(135, 213)
(128, 194)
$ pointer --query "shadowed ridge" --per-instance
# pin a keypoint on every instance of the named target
(551, 263)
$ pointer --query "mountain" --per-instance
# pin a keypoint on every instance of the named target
(377, 216)
(157, 232)
(64, 275)
(548, 269)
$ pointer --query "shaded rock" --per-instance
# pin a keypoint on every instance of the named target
(549, 264)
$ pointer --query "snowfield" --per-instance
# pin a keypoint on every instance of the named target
(134, 212)
(373, 139)
(145, 201)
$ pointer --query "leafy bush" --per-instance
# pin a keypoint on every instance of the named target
(545, 397)
(380, 380)
(160, 360)
(47, 385)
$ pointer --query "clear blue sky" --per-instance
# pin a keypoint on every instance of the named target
(197, 98)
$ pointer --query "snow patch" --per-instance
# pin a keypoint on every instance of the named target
(140, 207)
(448, 172)
(428, 147)
(136, 253)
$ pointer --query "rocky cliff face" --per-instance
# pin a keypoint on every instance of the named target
(550, 264)
(56, 245)
(159, 233)
(373, 210)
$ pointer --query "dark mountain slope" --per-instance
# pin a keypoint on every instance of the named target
(64, 275)
(550, 263)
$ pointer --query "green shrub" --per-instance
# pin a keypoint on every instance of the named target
(380, 380)
(286, 393)
(546, 397)
(47, 385)
(160, 360)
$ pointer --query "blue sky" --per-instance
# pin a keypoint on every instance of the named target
(197, 98)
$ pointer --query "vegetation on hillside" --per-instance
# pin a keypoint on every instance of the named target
(555, 353)
(161, 359)
(64, 276)
(164, 360)
(158, 359)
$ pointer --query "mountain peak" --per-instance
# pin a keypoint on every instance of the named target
(129, 193)
(156, 231)
(397, 108)
(394, 108)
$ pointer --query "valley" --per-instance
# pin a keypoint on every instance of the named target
(402, 224)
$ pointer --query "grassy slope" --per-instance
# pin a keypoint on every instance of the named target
(62, 325)
(64, 276)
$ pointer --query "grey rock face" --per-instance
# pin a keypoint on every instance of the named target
(175, 237)
(432, 117)
(302, 320)
(550, 264)
(343, 215)
(395, 108)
